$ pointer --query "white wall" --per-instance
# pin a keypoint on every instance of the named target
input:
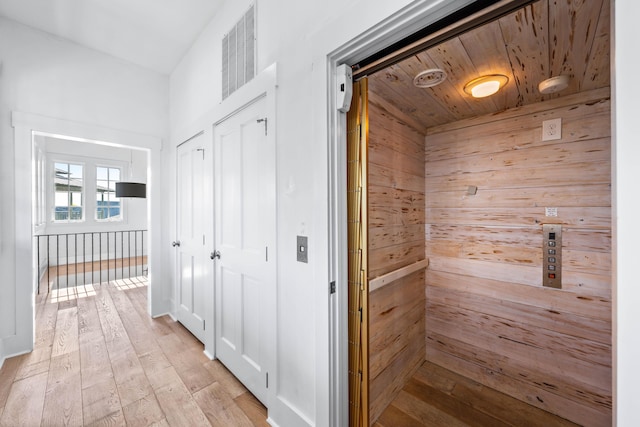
(47, 76)
(626, 110)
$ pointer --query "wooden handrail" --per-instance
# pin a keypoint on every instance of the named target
(385, 279)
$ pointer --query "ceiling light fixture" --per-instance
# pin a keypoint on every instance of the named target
(485, 85)
(131, 189)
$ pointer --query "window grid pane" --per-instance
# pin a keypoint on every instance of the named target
(107, 204)
(68, 185)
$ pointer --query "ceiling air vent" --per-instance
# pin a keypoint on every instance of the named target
(430, 78)
(239, 54)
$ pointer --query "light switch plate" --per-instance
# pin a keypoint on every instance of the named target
(302, 248)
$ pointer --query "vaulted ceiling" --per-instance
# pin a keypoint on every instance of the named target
(547, 38)
(153, 34)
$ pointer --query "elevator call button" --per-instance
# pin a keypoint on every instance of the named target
(552, 255)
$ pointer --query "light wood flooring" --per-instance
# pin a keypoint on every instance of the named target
(99, 359)
(437, 397)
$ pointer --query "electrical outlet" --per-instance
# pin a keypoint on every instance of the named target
(552, 129)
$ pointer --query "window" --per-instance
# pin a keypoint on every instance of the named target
(68, 192)
(107, 204)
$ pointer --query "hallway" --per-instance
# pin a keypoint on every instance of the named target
(99, 359)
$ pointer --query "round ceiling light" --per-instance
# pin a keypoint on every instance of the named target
(430, 78)
(553, 85)
(485, 85)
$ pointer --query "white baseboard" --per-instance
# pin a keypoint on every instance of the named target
(168, 313)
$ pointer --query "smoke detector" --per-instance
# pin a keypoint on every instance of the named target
(553, 85)
(430, 78)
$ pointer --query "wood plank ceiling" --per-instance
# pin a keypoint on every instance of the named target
(547, 38)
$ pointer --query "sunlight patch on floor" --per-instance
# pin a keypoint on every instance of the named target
(130, 283)
(71, 293)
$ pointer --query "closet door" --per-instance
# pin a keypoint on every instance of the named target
(245, 209)
(191, 255)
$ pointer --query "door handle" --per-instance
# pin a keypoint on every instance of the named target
(215, 255)
(175, 243)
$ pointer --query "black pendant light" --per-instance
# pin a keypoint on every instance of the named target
(131, 189)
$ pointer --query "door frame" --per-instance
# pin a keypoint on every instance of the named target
(25, 124)
(395, 28)
(263, 85)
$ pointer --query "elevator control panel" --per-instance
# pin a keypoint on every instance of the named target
(552, 256)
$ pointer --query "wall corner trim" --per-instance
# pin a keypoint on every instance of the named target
(97, 133)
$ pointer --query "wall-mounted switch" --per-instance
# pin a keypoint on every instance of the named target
(302, 248)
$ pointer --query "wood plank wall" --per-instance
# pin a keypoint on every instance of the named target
(396, 239)
(487, 315)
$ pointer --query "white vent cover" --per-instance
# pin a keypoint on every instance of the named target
(239, 54)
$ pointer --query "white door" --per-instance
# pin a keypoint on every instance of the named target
(192, 257)
(245, 233)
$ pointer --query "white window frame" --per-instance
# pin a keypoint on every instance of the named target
(40, 181)
(52, 189)
(112, 165)
(89, 178)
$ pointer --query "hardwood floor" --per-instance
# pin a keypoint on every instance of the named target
(99, 359)
(437, 397)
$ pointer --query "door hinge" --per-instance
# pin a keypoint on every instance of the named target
(266, 253)
(204, 325)
(265, 124)
(267, 375)
(332, 287)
